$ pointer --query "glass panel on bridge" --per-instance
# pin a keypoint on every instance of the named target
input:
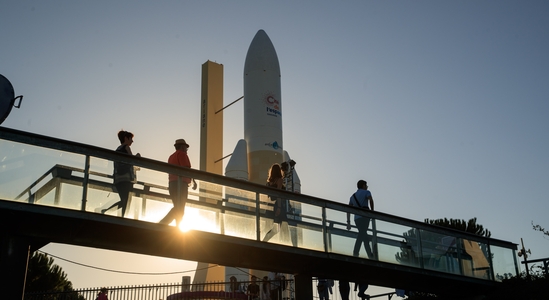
(504, 262)
(26, 169)
(340, 239)
(50, 177)
(476, 260)
(396, 243)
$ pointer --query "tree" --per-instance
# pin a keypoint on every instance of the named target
(517, 287)
(470, 226)
(409, 257)
(539, 228)
(44, 275)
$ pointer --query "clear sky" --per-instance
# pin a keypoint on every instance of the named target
(442, 106)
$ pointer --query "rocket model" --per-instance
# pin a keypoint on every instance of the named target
(263, 144)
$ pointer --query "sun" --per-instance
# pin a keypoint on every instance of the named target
(195, 219)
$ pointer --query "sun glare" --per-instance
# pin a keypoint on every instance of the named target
(194, 220)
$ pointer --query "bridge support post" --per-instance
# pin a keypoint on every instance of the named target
(303, 287)
(13, 263)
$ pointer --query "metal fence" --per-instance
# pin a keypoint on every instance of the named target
(142, 292)
(198, 291)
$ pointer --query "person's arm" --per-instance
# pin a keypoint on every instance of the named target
(128, 150)
(184, 161)
(371, 200)
(349, 217)
(348, 221)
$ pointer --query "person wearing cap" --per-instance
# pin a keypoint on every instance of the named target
(178, 188)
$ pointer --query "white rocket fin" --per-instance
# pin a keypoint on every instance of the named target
(237, 167)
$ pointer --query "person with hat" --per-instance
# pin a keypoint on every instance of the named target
(178, 186)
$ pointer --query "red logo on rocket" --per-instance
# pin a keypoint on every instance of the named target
(273, 105)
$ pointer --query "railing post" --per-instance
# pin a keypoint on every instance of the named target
(257, 223)
(420, 249)
(491, 261)
(324, 229)
(85, 183)
(374, 239)
(31, 197)
(146, 190)
(459, 241)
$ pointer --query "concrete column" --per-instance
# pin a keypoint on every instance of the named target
(303, 287)
(13, 263)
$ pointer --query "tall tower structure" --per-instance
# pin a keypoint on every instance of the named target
(211, 123)
(211, 144)
(211, 151)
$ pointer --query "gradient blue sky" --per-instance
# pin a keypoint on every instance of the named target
(442, 106)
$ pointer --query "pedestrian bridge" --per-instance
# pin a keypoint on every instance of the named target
(53, 190)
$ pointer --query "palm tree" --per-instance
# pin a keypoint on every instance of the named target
(44, 276)
(471, 226)
(409, 246)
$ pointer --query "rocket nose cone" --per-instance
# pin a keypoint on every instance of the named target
(261, 54)
(261, 33)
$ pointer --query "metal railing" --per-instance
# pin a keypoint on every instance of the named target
(53, 172)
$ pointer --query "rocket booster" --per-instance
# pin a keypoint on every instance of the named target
(262, 108)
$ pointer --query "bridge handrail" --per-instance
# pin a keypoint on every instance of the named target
(96, 152)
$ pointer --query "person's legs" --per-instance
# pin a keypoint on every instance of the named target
(274, 230)
(276, 222)
(178, 201)
(275, 294)
(123, 189)
(179, 205)
(324, 295)
(367, 239)
(117, 204)
(172, 188)
(344, 289)
(362, 238)
(362, 287)
(124, 193)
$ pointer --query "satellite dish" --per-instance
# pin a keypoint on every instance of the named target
(7, 98)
